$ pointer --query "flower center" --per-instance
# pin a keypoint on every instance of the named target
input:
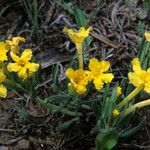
(22, 63)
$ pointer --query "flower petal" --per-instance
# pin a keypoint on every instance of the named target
(70, 73)
(14, 56)
(81, 77)
(3, 91)
(104, 66)
(22, 73)
(79, 36)
(147, 87)
(94, 65)
(33, 67)
(80, 89)
(13, 67)
(135, 79)
(147, 36)
(84, 33)
(3, 51)
(27, 54)
(2, 77)
(136, 65)
(16, 40)
(107, 77)
(98, 83)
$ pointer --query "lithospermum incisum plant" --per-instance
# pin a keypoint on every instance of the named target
(78, 38)
(22, 65)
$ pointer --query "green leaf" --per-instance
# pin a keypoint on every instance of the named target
(55, 76)
(141, 28)
(114, 91)
(22, 113)
(58, 98)
(87, 42)
(111, 143)
(66, 7)
(80, 17)
(144, 53)
(146, 5)
(106, 141)
(67, 124)
(109, 103)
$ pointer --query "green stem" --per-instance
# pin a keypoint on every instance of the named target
(130, 96)
(80, 53)
(138, 105)
(55, 107)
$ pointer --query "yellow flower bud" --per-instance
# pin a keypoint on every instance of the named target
(116, 113)
(147, 36)
(119, 91)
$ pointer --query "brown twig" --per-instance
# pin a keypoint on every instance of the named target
(104, 40)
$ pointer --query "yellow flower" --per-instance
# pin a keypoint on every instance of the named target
(14, 43)
(3, 52)
(139, 77)
(78, 80)
(116, 113)
(78, 37)
(119, 92)
(97, 73)
(147, 36)
(2, 76)
(22, 65)
(3, 91)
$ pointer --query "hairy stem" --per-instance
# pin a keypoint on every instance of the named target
(80, 53)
